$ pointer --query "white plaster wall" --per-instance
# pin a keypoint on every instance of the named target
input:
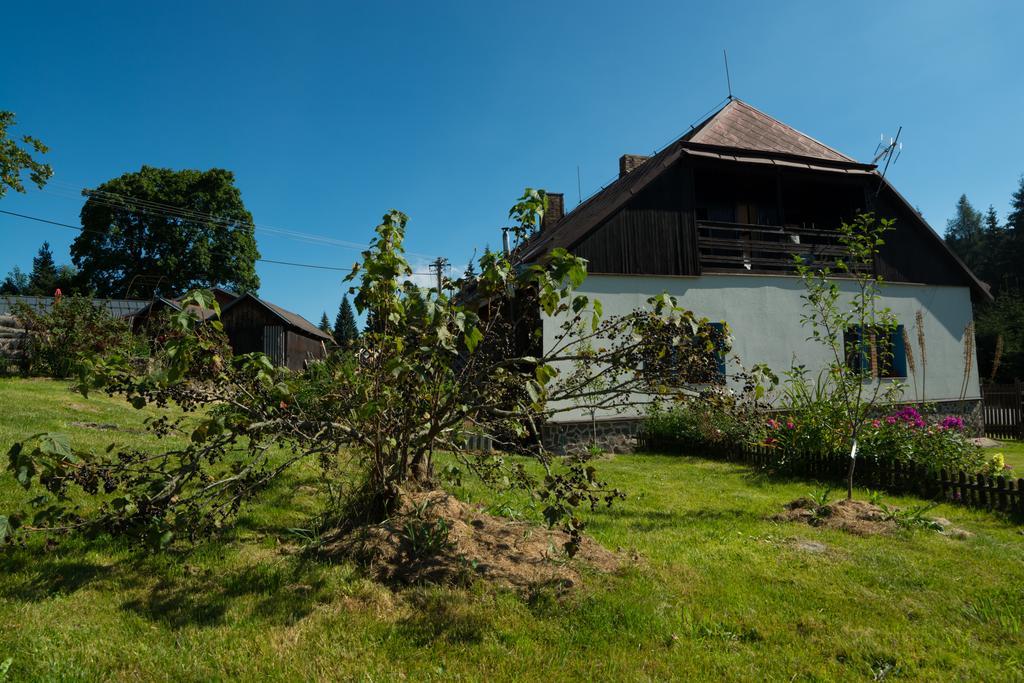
(763, 312)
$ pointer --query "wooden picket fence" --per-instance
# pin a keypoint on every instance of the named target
(1003, 406)
(993, 493)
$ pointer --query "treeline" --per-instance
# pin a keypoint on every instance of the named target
(45, 278)
(994, 250)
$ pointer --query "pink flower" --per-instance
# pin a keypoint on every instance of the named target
(890, 420)
(876, 424)
(790, 425)
(773, 423)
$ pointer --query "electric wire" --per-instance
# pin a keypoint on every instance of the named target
(260, 260)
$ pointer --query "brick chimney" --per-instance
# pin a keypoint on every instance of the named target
(628, 162)
(556, 209)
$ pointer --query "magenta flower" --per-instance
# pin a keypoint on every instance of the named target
(790, 425)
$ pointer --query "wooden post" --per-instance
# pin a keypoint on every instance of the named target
(961, 489)
(1002, 494)
(1019, 407)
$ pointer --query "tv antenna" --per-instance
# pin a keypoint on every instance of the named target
(890, 151)
(579, 187)
(728, 81)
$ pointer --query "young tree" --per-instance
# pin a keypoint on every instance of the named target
(16, 160)
(325, 324)
(43, 279)
(345, 330)
(855, 328)
(188, 227)
(429, 370)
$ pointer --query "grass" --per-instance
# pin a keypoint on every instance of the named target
(1013, 453)
(719, 592)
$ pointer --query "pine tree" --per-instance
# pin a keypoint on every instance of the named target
(991, 221)
(964, 234)
(345, 330)
(43, 279)
(1015, 219)
(325, 324)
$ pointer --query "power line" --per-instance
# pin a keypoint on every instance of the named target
(261, 260)
(114, 200)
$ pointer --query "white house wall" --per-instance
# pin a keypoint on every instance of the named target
(763, 313)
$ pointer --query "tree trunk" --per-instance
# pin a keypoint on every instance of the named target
(421, 471)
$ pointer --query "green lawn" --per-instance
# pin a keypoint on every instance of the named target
(1013, 453)
(719, 592)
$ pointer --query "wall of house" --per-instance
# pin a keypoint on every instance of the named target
(244, 323)
(300, 348)
(763, 312)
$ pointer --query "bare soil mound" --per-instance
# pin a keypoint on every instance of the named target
(436, 538)
(855, 516)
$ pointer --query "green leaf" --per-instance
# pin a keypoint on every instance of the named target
(8, 525)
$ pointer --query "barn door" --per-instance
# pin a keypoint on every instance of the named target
(273, 343)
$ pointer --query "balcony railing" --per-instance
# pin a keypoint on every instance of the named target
(763, 248)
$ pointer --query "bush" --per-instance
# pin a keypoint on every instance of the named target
(698, 425)
(73, 326)
(904, 436)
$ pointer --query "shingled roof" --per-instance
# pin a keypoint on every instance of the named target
(742, 126)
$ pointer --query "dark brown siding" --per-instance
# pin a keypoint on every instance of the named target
(244, 323)
(909, 254)
(652, 234)
(301, 348)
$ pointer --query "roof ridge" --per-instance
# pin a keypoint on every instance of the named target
(787, 126)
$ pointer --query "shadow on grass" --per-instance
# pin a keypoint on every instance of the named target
(660, 520)
(442, 616)
(277, 590)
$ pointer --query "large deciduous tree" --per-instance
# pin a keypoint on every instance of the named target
(16, 159)
(176, 230)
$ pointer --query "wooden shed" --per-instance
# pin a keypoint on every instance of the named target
(254, 325)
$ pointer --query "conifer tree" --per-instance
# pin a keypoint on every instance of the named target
(43, 279)
(325, 324)
(345, 330)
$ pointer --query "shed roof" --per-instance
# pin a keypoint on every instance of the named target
(293, 319)
(118, 308)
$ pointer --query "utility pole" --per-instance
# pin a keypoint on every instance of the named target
(439, 265)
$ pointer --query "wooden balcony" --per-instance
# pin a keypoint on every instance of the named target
(739, 247)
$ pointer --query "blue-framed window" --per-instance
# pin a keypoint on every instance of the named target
(875, 352)
(719, 327)
(676, 367)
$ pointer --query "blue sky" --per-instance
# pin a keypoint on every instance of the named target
(331, 113)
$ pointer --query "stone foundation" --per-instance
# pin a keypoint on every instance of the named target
(613, 436)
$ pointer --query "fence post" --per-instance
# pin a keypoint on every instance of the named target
(1018, 408)
(1002, 493)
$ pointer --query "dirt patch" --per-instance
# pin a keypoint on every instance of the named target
(855, 516)
(436, 538)
(865, 519)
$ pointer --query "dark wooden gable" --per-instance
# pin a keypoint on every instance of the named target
(700, 206)
(652, 234)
